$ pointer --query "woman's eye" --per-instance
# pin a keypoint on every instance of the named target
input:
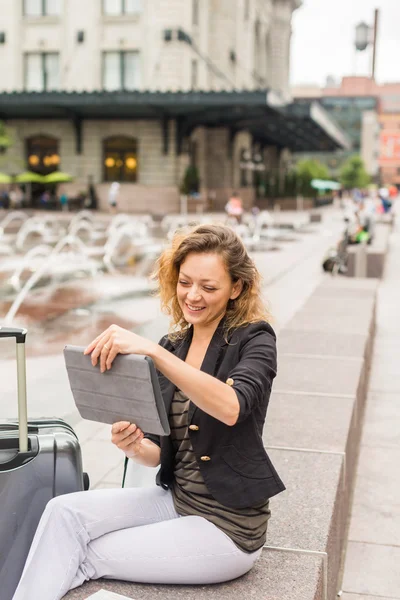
(209, 289)
(183, 282)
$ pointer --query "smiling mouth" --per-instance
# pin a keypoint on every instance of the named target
(194, 308)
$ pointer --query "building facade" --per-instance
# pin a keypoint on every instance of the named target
(81, 83)
(72, 45)
(389, 152)
(370, 114)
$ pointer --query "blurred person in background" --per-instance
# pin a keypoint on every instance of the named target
(384, 198)
(64, 202)
(234, 208)
(113, 194)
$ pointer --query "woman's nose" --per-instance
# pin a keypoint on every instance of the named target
(193, 293)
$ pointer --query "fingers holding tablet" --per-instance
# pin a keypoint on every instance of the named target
(127, 437)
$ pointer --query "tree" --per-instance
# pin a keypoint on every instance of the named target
(353, 173)
(191, 181)
(8, 161)
(5, 138)
(306, 171)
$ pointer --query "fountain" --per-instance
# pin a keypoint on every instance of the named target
(56, 262)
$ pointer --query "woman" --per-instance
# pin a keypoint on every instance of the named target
(207, 520)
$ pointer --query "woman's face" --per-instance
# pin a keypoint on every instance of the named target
(204, 288)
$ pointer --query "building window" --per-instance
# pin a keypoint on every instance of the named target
(42, 8)
(194, 77)
(120, 159)
(42, 72)
(122, 7)
(195, 12)
(121, 71)
(42, 154)
(246, 10)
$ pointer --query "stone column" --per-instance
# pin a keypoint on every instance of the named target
(279, 46)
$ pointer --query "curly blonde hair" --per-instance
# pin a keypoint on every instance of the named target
(247, 308)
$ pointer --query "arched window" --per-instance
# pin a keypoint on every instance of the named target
(42, 154)
(120, 159)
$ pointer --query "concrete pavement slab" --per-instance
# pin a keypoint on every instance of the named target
(354, 323)
(293, 341)
(364, 597)
(334, 376)
(114, 477)
(277, 575)
(386, 345)
(376, 507)
(335, 304)
(99, 460)
(48, 389)
(385, 374)
(347, 286)
(372, 569)
(300, 421)
(382, 420)
(88, 430)
(311, 514)
(302, 514)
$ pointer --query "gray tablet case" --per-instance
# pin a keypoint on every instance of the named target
(129, 391)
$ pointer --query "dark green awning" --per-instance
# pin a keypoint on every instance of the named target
(297, 127)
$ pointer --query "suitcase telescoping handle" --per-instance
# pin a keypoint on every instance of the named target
(20, 335)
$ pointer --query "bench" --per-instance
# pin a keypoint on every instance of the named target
(376, 253)
(312, 435)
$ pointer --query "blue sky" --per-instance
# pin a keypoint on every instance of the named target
(323, 40)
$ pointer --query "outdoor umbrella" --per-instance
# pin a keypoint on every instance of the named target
(5, 178)
(57, 177)
(29, 177)
(322, 184)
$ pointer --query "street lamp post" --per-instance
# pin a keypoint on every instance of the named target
(365, 36)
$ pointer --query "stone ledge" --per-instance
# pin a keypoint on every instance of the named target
(318, 374)
(310, 514)
(278, 575)
(293, 341)
(376, 253)
(352, 286)
(289, 414)
(312, 438)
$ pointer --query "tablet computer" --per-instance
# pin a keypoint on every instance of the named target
(129, 391)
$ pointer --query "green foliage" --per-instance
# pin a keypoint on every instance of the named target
(5, 137)
(353, 173)
(191, 181)
(306, 171)
(9, 160)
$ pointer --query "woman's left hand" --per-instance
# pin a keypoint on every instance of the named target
(116, 340)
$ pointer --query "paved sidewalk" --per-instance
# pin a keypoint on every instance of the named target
(372, 566)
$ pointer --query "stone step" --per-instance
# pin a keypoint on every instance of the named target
(312, 437)
(278, 575)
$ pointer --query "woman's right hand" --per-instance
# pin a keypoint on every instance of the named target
(127, 437)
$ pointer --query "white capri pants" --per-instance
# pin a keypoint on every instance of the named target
(132, 534)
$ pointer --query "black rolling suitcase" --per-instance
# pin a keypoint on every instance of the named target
(38, 460)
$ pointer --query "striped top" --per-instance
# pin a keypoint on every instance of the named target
(247, 527)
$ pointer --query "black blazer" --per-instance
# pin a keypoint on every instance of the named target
(232, 460)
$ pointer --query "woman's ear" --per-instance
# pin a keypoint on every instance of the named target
(236, 289)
